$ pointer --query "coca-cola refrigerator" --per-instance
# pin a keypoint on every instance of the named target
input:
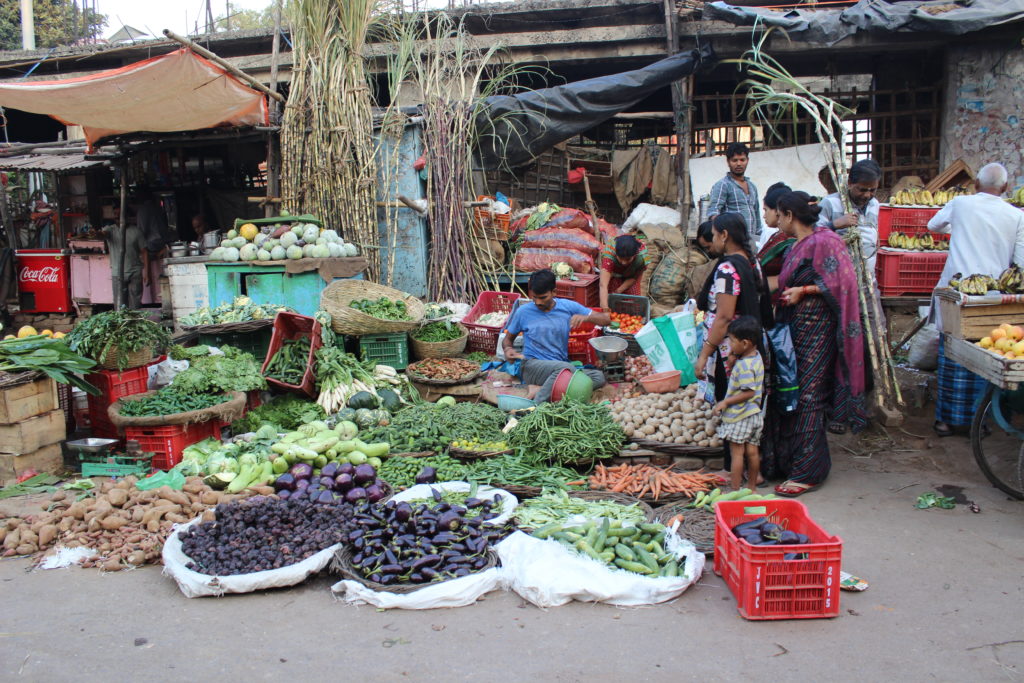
(43, 281)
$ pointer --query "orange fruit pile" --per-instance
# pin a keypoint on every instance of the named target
(1006, 341)
(628, 324)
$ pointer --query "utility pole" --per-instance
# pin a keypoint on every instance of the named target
(28, 26)
(209, 17)
(227, 13)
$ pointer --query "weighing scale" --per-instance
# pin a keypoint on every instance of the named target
(97, 460)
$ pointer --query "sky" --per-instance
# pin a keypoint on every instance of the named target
(152, 16)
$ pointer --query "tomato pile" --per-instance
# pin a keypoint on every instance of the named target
(628, 324)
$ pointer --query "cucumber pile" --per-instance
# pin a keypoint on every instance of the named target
(638, 549)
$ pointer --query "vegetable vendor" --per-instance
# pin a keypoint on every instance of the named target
(545, 323)
(623, 263)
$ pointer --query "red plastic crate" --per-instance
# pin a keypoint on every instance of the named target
(166, 443)
(289, 326)
(584, 290)
(908, 272)
(765, 585)
(579, 343)
(906, 220)
(484, 338)
(496, 224)
(113, 385)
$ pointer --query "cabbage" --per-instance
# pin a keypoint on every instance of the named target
(350, 249)
(217, 254)
(288, 239)
(266, 432)
(248, 252)
(298, 229)
(294, 252)
(320, 241)
(321, 251)
(330, 235)
(335, 250)
(230, 254)
(263, 255)
(307, 250)
(232, 234)
(311, 233)
(227, 243)
(239, 242)
(278, 253)
(260, 239)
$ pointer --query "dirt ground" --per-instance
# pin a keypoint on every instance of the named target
(945, 603)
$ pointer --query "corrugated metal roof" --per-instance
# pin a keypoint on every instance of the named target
(48, 162)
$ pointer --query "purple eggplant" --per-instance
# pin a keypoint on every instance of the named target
(374, 493)
(379, 482)
(403, 512)
(327, 483)
(301, 470)
(284, 494)
(364, 475)
(285, 482)
(329, 470)
(427, 475)
(301, 484)
(325, 497)
(343, 483)
(347, 468)
(356, 494)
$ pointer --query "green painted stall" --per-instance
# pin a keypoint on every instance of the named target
(266, 284)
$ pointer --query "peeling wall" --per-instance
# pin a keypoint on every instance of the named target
(984, 107)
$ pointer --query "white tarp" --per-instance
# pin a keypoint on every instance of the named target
(173, 92)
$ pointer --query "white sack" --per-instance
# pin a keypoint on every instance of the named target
(454, 593)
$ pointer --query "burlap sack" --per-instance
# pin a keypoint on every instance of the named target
(229, 411)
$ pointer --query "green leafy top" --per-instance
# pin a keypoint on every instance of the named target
(126, 330)
(286, 411)
(236, 370)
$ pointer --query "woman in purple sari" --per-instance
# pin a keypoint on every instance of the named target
(819, 301)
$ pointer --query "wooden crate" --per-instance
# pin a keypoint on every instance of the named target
(34, 433)
(974, 322)
(28, 400)
(46, 459)
(1005, 374)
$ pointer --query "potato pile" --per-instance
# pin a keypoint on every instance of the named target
(680, 417)
(126, 526)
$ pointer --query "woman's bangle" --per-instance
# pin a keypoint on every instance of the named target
(707, 343)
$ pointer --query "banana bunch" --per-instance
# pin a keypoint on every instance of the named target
(1017, 198)
(1011, 281)
(976, 285)
(925, 242)
(921, 197)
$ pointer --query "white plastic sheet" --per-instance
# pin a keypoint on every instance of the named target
(196, 585)
(455, 593)
(421, 491)
(547, 574)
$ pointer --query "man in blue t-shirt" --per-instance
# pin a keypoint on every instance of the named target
(545, 323)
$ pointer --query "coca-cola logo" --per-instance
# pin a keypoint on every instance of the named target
(44, 274)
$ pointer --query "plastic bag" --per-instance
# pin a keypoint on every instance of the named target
(196, 585)
(562, 238)
(670, 343)
(454, 593)
(924, 348)
(509, 502)
(651, 213)
(172, 478)
(529, 259)
(161, 374)
(548, 574)
(785, 380)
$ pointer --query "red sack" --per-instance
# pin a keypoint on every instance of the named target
(606, 232)
(562, 238)
(529, 259)
(569, 218)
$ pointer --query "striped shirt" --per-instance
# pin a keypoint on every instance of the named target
(747, 375)
(867, 223)
(728, 197)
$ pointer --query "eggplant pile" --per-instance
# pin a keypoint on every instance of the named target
(398, 543)
(345, 481)
(762, 531)
(262, 533)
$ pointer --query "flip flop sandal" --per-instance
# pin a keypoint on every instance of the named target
(942, 430)
(837, 428)
(794, 489)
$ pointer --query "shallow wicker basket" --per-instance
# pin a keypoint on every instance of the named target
(521, 492)
(698, 525)
(134, 359)
(342, 564)
(620, 498)
(445, 349)
(337, 296)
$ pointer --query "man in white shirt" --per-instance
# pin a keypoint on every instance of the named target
(986, 236)
(862, 184)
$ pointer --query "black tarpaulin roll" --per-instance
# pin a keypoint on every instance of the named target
(516, 128)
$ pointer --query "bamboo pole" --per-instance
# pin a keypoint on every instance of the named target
(203, 52)
(273, 140)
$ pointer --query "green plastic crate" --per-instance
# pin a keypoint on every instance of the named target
(256, 342)
(386, 349)
(116, 465)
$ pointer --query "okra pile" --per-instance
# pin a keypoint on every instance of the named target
(638, 549)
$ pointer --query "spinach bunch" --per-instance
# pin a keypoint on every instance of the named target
(127, 331)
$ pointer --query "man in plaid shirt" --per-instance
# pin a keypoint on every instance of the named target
(736, 193)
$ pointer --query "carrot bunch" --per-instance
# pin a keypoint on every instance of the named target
(628, 324)
(650, 481)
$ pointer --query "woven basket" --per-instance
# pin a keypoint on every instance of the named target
(462, 454)
(342, 564)
(698, 525)
(337, 296)
(445, 349)
(221, 328)
(620, 498)
(519, 491)
(134, 359)
(679, 448)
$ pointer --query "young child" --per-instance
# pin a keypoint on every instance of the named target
(742, 418)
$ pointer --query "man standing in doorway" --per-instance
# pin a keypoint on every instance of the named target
(736, 193)
(127, 286)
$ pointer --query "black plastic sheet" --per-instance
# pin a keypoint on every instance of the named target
(514, 129)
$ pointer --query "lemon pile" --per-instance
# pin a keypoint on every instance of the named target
(480, 446)
(29, 331)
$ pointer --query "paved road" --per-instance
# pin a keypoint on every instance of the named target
(945, 603)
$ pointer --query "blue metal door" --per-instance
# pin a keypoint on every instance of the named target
(403, 254)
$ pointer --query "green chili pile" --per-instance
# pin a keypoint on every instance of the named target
(290, 362)
(432, 427)
(567, 432)
(513, 470)
(170, 401)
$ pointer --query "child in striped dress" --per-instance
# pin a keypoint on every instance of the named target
(740, 410)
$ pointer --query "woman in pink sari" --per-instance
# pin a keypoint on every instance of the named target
(819, 301)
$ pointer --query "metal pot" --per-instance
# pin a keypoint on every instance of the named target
(179, 249)
(211, 240)
(609, 349)
(194, 249)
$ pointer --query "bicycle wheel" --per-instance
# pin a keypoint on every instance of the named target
(997, 438)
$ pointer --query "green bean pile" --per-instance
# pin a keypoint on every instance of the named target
(558, 506)
(290, 362)
(567, 432)
(432, 427)
(167, 401)
(512, 470)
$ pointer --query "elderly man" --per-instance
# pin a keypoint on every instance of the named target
(865, 175)
(986, 236)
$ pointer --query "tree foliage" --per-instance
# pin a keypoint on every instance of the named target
(246, 19)
(57, 22)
